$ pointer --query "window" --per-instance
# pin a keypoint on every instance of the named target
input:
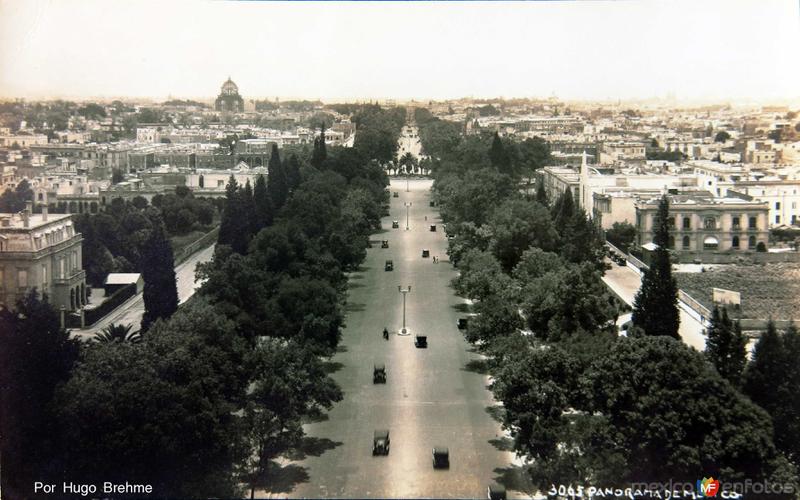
(671, 222)
(687, 223)
(61, 272)
(794, 204)
(22, 278)
(777, 205)
(44, 277)
(751, 242)
(686, 242)
(777, 219)
(752, 223)
(736, 222)
(710, 223)
(735, 242)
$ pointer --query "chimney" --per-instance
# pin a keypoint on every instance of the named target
(26, 215)
(44, 213)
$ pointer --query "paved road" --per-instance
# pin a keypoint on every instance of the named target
(131, 312)
(434, 396)
(626, 282)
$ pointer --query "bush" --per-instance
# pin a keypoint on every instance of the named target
(761, 247)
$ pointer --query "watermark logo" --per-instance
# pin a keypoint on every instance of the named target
(707, 487)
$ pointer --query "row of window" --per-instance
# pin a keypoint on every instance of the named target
(711, 222)
(735, 243)
(62, 263)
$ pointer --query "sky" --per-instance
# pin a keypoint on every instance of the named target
(713, 50)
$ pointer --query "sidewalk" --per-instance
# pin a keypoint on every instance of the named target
(625, 282)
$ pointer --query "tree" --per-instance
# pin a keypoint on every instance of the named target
(117, 176)
(655, 307)
(722, 136)
(235, 228)
(277, 185)
(320, 154)
(262, 217)
(499, 157)
(726, 346)
(541, 194)
(36, 356)
(293, 177)
(518, 225)
(13, 201)
(118, 333)
(622, 235)
(563, 209)
(158, 271)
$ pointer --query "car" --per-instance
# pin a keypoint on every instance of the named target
(395, 195)
(622, 262)
(432, 204)
(441, 457)
(378, 373)
(380, 442)
(426, 253)
(496, 492)
(388, 266)
(421, 341)
(433, 228)
(395, 224)
(384, 243)
(462, 323)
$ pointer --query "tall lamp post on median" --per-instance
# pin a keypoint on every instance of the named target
(407, 205)
(404, 291)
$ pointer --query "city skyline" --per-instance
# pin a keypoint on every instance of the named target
(708, 51)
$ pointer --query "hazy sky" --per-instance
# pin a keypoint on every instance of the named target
(695, 49)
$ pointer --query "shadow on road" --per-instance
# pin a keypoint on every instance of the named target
(355, 307)
(462, 307)
(314, 420)
(496, 412)
(351, 286)
(503, 443)
(477, 366)
(283, 479)
(331, 366)
(341, 348)
(514, 478)
(311, 446)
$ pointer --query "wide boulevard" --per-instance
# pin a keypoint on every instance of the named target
(433, 397)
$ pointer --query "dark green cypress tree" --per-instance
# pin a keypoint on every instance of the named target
(228, 222)
(563, 209)
(541, 194)
(320, 153)
(725, 347)
(158, 272)
(263, 205)
(655, 307)
(292, 169)
(499, 157)
(276, 184)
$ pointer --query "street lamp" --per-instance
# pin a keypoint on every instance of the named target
(404, 291)
(406, 178)
(407, 205)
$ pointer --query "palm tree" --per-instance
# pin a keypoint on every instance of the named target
(118, 333)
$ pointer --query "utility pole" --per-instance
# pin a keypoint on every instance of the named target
(404, 291)
(407, 205)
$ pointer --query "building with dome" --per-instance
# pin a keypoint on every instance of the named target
(229, 98)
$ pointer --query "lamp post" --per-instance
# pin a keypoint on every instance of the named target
(406, 178)
(407, 205)
(404, 291)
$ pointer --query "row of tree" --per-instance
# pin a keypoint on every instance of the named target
(583, 404)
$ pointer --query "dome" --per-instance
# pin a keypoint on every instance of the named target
(229, 88)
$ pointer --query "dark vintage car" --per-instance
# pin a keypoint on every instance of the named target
(426, 253)
(388, 266)
(378, 374)
(496, 492)
(384, 243)
(432, 204)
(395, 195)
(433, 228)
(462, 323)
(395, 224)
(441, 457)
(380, 442)
(421, 341)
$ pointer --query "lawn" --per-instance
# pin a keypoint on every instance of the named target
(768, 290)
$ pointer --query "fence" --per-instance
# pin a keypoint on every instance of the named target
(198, 244)
(695, 308)
(91, 316)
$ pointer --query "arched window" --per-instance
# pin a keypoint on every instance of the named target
(710, 243)
(735, 242)
(751, 242)
(687, 223)
(686, 242)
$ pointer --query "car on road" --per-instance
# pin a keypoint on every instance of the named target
(380, 442)
(432, 204)
(421, 341)
(395, 195)
(378, 373)
(384, 243)
(441, 457)
(426, 253)
(388, 266)
(395, 224)
(462, 323)
(496, 492)
(433, 228)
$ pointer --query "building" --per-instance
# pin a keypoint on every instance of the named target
(622, 151)
(42, 252)
(706, 227)
(229, 99)
(22, 141)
